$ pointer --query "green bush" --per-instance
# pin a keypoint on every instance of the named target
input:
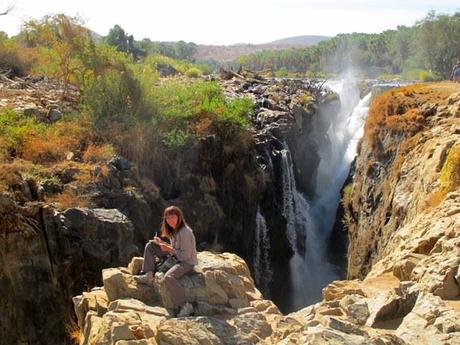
(179, 103)
(193, 72)
(420, 74)
(182, 66)
(237, 111)
(15, 130)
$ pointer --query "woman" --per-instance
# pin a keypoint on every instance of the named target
(182, 246)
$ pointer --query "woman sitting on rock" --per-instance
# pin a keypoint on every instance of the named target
(182, 246)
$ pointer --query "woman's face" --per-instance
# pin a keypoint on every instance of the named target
(172, 219)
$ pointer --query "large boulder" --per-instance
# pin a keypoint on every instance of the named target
(220, 287)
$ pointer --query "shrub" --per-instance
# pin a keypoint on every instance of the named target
(16, 130)
(175, 138)
(180, 104)
(182, 66)
(55, 141)
(193, 72)
(237, 111)
(305, 98)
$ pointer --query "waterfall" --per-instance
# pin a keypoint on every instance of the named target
(262, 271)
(309, 223)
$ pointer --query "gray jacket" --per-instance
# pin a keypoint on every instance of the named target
(185, 246)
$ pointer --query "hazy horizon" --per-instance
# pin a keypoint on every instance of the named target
(232, 22)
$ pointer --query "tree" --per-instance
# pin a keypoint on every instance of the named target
(117, 38)
(64, 39)
(438, 41)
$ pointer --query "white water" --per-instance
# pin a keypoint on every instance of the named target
(315, 218)
(262, 270)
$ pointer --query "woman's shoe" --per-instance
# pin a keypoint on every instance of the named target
(146, 279)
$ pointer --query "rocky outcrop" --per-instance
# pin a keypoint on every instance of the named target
(228, 309)
(60, 255)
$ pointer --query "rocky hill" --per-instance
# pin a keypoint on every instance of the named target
(404, 226)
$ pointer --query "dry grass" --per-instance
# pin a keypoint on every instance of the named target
(98, 153)
(73, 332)
(450, 172)
(396, 110)
(449, 179)
(9, 176)
(202, 126)
(53, 144)
(67, 199)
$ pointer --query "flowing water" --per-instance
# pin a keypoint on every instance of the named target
(311, 221)
(262, 270)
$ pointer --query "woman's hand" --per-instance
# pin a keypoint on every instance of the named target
(166, 248)
(163, 245)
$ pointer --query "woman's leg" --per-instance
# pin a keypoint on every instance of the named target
(172, 284)
(151, 251)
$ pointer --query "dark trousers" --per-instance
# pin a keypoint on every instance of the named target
(151, 251)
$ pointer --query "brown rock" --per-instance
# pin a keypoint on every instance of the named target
(338, 289)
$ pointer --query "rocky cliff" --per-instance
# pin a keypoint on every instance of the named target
(52, 250)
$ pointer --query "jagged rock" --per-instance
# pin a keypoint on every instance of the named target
(430, 322)
(96, 301)
(105, 233)
(356, 308)
(403, 268)
(222, 286)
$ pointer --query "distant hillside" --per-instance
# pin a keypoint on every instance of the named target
(306, 40)
(231, 52)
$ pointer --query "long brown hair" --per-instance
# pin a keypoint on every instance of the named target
(166, 229)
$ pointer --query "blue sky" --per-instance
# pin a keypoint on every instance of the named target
(228, 22)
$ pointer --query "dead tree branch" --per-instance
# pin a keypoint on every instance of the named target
(8, 10)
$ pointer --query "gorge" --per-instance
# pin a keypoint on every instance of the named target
(269, 195)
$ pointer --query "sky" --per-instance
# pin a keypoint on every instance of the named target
(229, 21)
